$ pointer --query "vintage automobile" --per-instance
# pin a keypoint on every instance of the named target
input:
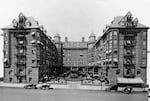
(112, 88)
(128, 90)
(30, 86)
(44, 86)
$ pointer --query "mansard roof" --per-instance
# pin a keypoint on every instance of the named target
(122, 22)
(23, 21)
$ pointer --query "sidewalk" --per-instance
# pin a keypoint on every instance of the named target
(21, 85)
(13, 85)
(69, 85)
(89, 87)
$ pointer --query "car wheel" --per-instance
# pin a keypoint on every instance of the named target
(126, 91)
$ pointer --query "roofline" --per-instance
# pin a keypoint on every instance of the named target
(128, 28)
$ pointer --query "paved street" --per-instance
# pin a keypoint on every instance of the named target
(19, 94)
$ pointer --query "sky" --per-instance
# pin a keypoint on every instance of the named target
(73, 18)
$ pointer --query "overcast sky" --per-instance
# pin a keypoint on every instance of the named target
(73, 18)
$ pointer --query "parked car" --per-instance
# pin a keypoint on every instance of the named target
(112, 88)
(128, 90)
(44, 86)
(30, 86)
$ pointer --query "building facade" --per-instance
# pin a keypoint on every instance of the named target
(29, 54)
(74, 55)
(122, 50)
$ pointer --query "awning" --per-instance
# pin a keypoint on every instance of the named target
(122, 80)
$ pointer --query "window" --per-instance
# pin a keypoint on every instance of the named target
(115, 33)
(138, 72)
(21, 42)
(10, 79)
(129, 72)
(110, 35)
(110, 44)
(5, 42)
(33, 51)
(21, 51)
(144, 52)
(30, 71)
(33, 61)
(38, 34)
(30, 79)
(95, 70)
(143, 62)
(144, 42)
(128, 61)
(5, 34)
(118, 71)
(144, 34)
(20, 71)
(10, 72)
(115, 42)
(38, 62)
(128, 41)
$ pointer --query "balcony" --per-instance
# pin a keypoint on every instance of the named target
(21, 63)
(128, 65)
(19, 35)
(129, 75)
(20, 46)
(129, 43)
(20, 55)
(20, 74)
(129, 55)
(129, 46)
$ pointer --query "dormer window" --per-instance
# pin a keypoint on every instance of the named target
(15, 23)
(122, 23)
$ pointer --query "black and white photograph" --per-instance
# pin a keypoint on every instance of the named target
(74, 50)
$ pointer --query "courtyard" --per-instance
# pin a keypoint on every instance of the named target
(19, 94)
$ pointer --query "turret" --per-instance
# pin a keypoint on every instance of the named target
(57, 37)
(92, 39)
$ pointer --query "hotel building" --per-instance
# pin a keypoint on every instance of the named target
(121, 52)
(29, 54)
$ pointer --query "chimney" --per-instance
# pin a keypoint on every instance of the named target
(82, 39)
(66, 39)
